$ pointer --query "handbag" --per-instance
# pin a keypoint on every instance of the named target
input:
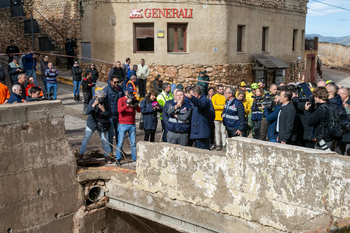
(141, 123)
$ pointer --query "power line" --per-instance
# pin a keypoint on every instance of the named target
(332, 5)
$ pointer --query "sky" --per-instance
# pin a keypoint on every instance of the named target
(326, 20)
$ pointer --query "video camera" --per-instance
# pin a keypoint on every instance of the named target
(295, 89)
(267, 103)
(132, 100)
(303, 98)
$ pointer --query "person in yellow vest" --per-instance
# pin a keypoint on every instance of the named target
(248, 95)
(132, 83)
(162, 98)
(219, 104)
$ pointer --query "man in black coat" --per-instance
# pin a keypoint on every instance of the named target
(12, 50)
(116, 71)
(286, 119)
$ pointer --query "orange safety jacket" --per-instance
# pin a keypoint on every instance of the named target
(133, 87)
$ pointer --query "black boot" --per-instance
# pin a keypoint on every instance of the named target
(75, 98)
(78, 97)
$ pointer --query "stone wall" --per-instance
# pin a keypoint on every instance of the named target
(334, 55)
(37, 170)
(63, 15)
(275, 185)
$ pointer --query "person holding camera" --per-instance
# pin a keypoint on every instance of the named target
(271, 115)
(257, 114)
(178, 124)
(51, 80)
(127, 108)
(14, 69)
(99, 113)
(149, 108)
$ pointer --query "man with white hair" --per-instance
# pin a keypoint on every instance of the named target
(99, 113)
(15, 97)
(321, 83)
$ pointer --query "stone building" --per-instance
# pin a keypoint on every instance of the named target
(256, 40)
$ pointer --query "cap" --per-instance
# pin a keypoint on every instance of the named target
(242, 84)
(129, 89)
(254, 86)
(16, 58)
(329, 81)
(180, 86)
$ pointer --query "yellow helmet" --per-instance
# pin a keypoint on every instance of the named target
(254, 86)
(261, 85)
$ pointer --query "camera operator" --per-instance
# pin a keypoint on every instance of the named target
(271, 115)
(127, 108)
(178, 124)
(286, 119)
(34, 94)
(99, 113)
(268, 97)
(318, 118)
(344, 95)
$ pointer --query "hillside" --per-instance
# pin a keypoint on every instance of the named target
(340, 40)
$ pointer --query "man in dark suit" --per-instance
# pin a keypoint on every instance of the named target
(285, 119)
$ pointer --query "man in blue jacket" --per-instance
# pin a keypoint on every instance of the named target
(29, 65)
(15, 96)
(113, 93)
(202, 114)
(271, 116)
(179, 123)
(233, 115)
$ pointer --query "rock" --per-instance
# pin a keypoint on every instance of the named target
(209, 69)
(192, 66)
(179, 67)
(171, 70)
(160, 69)
(185, 72)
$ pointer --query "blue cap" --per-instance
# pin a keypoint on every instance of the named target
(129, 89)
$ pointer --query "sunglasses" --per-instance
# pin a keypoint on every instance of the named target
(115, 82)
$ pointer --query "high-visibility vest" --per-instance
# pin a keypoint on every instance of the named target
(133, 87)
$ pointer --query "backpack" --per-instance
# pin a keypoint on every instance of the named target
(334, 126)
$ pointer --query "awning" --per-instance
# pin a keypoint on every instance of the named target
(270, 62)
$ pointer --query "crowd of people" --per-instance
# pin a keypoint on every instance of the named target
(309, 115)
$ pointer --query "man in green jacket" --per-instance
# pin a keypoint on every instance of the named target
(162, 98)
(204, 85)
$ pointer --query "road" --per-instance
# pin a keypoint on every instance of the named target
(341, 77)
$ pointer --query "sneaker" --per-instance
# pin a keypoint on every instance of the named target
(218, 148)
(212, 147)
(224, 148)
(108, 160)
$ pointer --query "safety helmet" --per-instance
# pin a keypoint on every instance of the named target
(254, 86)
(261, 85)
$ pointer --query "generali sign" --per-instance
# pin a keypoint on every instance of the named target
(159, 13)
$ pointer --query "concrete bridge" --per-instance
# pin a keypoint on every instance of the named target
(255, 187)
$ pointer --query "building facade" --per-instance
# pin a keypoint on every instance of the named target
(181, 38)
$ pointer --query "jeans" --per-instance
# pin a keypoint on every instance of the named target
(93, 91)
(122, 129)
(273, 140)
(44, 81)
(88, 134)
(32, 74)
(165, 131)
(202, 143)
(76, 87)
(52, 87)
(112, 129)
(220, 130)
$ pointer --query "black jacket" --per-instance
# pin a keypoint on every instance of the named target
(87, 85)
(95, 114)
(2, 73)
(115, 71)
(317, 119)
(76, 70)
(286, 122)
(43, 67)
(11, 49)
(94, 74)
(304, 131)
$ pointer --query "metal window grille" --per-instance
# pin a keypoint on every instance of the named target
(17, 10)
(5, 4)
(28, 26)
(44, 44)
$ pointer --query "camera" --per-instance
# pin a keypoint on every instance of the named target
(132, 100)
(101, 100)
(303, 98)
(267, 103)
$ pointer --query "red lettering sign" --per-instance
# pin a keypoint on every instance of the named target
(165, 13)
